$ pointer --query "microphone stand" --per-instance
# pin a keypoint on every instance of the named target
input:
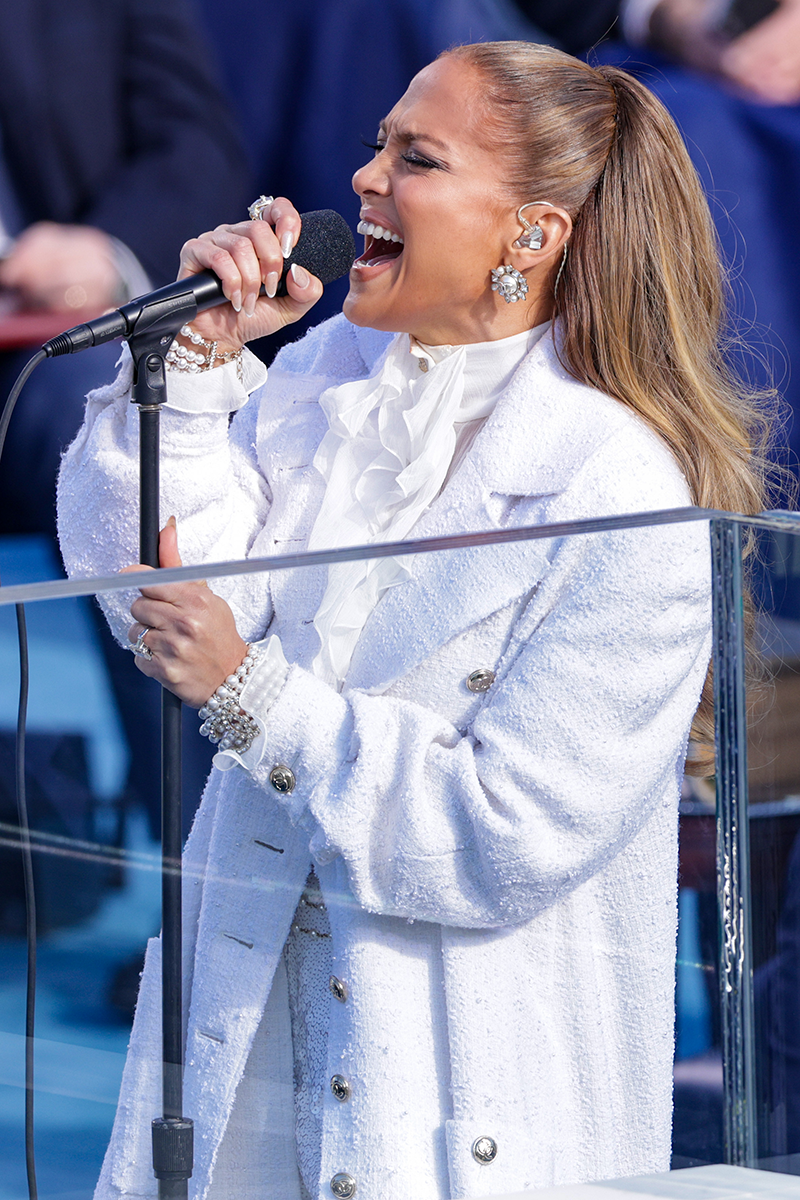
(173, 1134)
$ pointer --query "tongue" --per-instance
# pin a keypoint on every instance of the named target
(381, 250)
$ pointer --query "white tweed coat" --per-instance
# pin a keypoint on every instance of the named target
(500, 869)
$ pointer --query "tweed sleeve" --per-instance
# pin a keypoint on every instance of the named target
(210, 477)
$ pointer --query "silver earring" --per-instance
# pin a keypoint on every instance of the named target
(510, 283)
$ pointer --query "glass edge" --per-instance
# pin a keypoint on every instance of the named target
(55, 589)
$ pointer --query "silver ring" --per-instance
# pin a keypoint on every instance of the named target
(257, 209)
(140, 647)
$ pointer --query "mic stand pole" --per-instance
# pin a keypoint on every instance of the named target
(173, 1134)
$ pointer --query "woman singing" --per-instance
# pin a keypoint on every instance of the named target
(431, 887)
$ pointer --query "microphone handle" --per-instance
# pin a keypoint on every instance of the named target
(187, 296)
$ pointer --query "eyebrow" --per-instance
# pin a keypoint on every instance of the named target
(411, 135)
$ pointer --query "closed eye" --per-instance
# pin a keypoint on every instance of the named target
(415, 160)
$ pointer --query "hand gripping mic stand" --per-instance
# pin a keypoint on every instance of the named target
(173, 1134)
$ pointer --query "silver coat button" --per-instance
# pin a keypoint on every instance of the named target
(340, 1088)
(282, 779)
(343, 1186)
(480, 680)
(338, 989)
(484, 1150)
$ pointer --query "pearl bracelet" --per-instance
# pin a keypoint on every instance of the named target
(224, 721)
(179, 358)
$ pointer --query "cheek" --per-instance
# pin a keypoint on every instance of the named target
(448, 273)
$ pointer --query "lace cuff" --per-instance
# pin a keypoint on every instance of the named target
(219, 390)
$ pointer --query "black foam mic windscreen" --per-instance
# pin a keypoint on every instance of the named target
(325, 247)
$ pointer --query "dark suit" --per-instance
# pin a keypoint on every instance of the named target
(111, 117)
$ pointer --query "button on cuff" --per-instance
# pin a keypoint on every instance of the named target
(282, 779)
(343, 1186)
(480, 680)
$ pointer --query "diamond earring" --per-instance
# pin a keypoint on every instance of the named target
(510, 283)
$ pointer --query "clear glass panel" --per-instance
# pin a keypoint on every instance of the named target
(774, 793)
(697, 1134)
(529, 990)
(95, 906)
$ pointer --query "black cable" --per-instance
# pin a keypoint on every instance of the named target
(13, 395)
(22, 816)
(30, 897)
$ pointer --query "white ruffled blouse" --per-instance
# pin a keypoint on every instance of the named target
(394, 439)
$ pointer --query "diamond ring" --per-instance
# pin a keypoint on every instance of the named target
(140, 647)
(257, 209)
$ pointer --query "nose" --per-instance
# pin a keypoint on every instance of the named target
(372, 177)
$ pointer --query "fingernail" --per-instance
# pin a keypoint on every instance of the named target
(236, 301)
(300, 275)
(271, 286)
(250, 304)
(287, 241)
(171, 521)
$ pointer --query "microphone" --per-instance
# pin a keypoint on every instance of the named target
(325, 247)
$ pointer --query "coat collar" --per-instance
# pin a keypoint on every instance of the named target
(543, 429)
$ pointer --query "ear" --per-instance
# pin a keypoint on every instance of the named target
(556, 226)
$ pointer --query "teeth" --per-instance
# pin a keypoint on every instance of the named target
(377, 231)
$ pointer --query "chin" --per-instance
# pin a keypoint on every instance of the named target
(350, 308)
(359, 311)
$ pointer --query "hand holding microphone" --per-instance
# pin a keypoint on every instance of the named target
(250, 260)
(243, 264)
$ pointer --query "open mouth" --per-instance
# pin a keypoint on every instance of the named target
(380, 245)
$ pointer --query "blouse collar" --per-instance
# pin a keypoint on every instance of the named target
(392, 441)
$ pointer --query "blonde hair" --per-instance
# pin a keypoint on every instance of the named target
(641, 300)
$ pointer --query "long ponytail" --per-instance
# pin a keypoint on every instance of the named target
(641, 298)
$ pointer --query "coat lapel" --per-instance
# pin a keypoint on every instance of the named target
(542, 430)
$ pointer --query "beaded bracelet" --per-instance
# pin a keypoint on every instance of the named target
(181, 359)
(224, 721)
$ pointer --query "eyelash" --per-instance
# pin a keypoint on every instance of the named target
(414, 160)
